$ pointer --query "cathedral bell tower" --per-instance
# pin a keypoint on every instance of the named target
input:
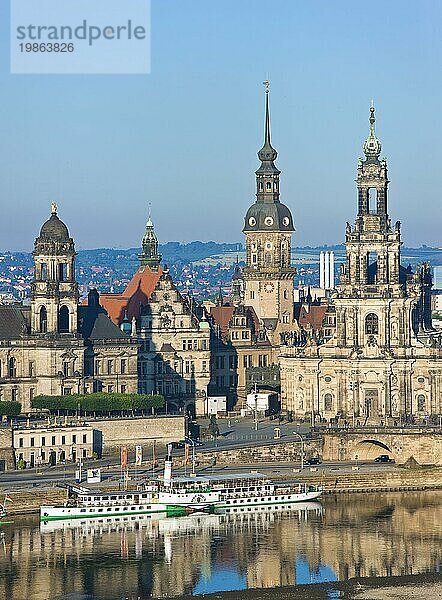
(268, 227)
(373, 248)
(54, 291)
(374, 300)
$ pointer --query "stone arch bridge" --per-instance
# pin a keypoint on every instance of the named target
(424, 445)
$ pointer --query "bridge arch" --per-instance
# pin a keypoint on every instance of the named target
(369, 450)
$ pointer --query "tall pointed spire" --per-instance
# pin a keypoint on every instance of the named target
(372, 146)
(149, 256)
(267, 154)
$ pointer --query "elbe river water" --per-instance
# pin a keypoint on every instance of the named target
(340, 538)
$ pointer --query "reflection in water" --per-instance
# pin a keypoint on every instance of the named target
(144, 557)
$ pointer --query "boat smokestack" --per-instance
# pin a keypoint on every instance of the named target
(168, 466)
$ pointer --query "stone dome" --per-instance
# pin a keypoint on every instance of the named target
(268, 216)
(54, 229)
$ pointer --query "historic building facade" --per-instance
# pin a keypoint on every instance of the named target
(173, 334)
(54, 346)
(384, 359)
(268, 227)
(238, 344)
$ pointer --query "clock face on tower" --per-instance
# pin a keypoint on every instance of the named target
(269, 287)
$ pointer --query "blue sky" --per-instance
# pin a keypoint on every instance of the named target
(185, 136)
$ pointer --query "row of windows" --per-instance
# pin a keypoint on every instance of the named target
(243, 335)
(222, 381)
(187, 367)
(169, 388)
(268, 186)
(192, 344)
(248, 361)
(98, 387)
(101, 367)
(421, 402)
(68, 368)
(54, 442)
(43, 456)
(60, 272)
(63, 320)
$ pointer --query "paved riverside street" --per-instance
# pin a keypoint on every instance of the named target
(235, 433)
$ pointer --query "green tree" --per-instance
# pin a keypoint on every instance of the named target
(99, 402)
(10, 409)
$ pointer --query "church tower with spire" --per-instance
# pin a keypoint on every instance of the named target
(268, 227)
(150, 256)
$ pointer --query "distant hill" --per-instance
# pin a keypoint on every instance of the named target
(173, 252)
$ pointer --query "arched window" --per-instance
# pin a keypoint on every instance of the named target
(44, 271)
(260, 186)
(12, 367)
(421, 402)
(63, 320)
(328, 402)
(269, 186)
(43, 320)
(371, 324)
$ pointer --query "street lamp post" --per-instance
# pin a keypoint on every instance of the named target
(302, 448)
(256, 409)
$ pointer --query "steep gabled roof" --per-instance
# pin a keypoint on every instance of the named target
(137, 294)
(144, 280)
(115, 305)
(96, 325)
(12, 323)
(313, 317)
(222, 315)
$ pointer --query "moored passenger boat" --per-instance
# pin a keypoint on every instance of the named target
(83, 503)
(176, 496)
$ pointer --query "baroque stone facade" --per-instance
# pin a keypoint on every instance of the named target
(54, 346)
(173, 335)
(384, 359)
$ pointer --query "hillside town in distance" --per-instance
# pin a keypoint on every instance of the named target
(349, 334)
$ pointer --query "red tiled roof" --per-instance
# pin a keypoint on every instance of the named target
(114, 305)
(137, 293)
(145, 280)
(222, 315)
(313, 317)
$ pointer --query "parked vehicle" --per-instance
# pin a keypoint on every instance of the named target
(384, 458)
(314, 460)
(179, 444)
